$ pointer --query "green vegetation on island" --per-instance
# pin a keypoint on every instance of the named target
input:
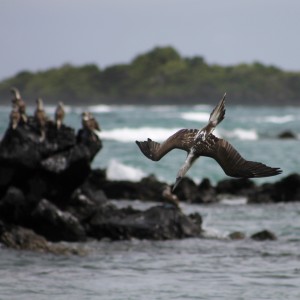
(160, 76)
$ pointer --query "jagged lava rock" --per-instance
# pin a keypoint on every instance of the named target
(50, 168)
(157, 223)
(285, 190)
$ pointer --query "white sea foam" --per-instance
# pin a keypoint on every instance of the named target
(118, 171)
(99, 108)
(234, 201)
(242, 134)
(132, 134)
(196, 116)
(213, 233)
(277, 119)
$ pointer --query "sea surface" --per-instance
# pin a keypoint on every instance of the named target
(210, 268)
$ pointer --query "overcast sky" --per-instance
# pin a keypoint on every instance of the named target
(39, 34)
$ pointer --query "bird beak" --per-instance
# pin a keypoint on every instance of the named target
(178, 179)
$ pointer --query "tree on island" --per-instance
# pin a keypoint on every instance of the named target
(160, 76)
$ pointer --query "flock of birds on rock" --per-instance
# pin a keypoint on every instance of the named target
(196, 142)
(18, 115)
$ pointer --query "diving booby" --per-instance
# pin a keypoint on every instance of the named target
(59, 115)
(19, 102)
(203, 143)
(40, 117)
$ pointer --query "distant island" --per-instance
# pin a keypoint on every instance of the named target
(160, 76)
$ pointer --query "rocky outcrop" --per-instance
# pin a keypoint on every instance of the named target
(287, 135)
(48, 193)
(156, 223)
(20, 238)
(51, 168)
(285, 190)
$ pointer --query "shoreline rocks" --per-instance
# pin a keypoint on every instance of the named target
(49, 193)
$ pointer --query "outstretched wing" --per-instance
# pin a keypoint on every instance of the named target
(182, 139)
(233, 163)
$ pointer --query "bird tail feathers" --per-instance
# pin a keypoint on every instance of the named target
(149, 148)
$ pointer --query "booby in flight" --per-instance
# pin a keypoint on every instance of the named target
(203, 143)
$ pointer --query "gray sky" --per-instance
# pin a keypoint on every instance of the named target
(39, 34)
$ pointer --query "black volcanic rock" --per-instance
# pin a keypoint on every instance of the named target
(149, 188)
(157, 223)
(50, 168)
(21, 238)
(48, 192)
(55, 224)
(287, 135)
(240, 187)
(264, 235)
(285, 190)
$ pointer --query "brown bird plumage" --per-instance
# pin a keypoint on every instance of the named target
(15, 117)
(59, 115)
(20, 103)
(223, 152)
(41, 118)
(89, 122)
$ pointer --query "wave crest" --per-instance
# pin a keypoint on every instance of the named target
(118, 171)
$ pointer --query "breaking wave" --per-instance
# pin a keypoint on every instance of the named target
(132, 134)
(277, 119)
(241, 134)
(119, 171)
(196, 116)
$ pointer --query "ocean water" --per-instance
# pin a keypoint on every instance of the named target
(210, 268)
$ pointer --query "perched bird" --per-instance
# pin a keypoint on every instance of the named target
(203, 143)
(40, 117)
(59, 114)
(15, 117)
(90, 123)
(169, 197)
(20, 103)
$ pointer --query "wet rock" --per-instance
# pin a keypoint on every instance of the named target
(20, 238)
(83, 205)
(52, 167)
(13, 206)
(187, 190)
(149, 188)
(287, 135)
(157, 223)
(55, 224)
(264, 235)
(240, 187)
(206, 192)
(237, 235)
(285, 190)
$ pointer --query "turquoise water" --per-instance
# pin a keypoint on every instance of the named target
(211, 268)
(252, 131)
